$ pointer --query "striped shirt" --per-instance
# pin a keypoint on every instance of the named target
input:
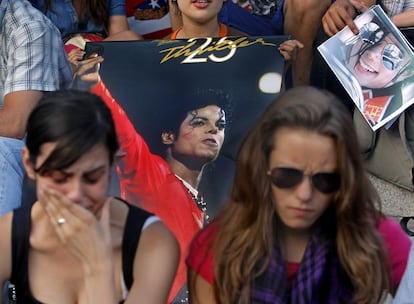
(31, 51)
(394, 7)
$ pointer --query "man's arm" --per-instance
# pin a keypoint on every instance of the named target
(341, 13)
(5, 250)
(404, 19)
(36, 63)
(16, 109)
(302, 21)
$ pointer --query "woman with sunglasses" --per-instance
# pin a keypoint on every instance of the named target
(301, 224)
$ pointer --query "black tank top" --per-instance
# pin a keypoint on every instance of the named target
(21, 224)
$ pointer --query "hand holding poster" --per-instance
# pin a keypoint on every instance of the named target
(152, 80)
(375, 67)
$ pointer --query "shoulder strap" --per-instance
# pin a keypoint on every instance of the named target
(20, 248)
(132, 232)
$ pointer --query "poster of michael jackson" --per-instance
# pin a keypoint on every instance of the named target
(375, 67)
(170, 89)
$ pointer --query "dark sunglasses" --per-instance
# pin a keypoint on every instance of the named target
(325, 182)
(392, 56)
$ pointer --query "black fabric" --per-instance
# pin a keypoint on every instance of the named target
(409, 34)
(132, 231)
(322, 76)
(21, 224)
(28, 191)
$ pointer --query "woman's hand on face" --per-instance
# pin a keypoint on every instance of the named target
(87, 73)
(288, 49)
(85, 236)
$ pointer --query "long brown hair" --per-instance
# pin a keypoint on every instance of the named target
(96, 10)
(245, 225)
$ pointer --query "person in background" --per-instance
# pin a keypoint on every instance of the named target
(75, 244)
(192, 19)
(299, 19)
(302, 216)
(80, 21)
(199, 19)
(32, 61)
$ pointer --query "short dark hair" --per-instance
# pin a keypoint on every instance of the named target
(76, 121)
(173, 114)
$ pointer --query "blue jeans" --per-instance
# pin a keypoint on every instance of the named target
(11, 173)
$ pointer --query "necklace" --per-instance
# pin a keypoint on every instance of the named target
(201, 204)
(198, 199)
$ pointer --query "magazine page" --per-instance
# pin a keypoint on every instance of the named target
(154, 80)
(375, 67)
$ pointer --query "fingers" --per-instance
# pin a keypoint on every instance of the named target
(339, 15)
(58, 217)
(288, 48)
(87, 73)
(290, 45)
(65, 216)
(74, 57)
(89, 65)
(334, 21)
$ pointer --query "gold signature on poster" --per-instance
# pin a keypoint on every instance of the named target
(214, 50)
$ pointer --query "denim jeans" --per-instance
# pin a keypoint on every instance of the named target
(11, 173)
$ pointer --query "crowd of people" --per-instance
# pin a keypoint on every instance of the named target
(302, 224)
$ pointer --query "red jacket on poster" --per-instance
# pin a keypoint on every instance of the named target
(146, 180)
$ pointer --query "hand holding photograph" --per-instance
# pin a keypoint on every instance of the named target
(375, 66)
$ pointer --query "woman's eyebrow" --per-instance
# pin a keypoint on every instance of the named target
(97, 169)
(93, 170)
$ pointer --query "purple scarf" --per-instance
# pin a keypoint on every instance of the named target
(318, 280)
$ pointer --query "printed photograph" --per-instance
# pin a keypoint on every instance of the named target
(375, 67)
(184, 83)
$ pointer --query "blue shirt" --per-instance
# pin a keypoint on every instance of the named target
(64, 16)
(31, 51)
(267, 17)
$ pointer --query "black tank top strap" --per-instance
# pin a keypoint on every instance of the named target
(21, 224)
(132, 232)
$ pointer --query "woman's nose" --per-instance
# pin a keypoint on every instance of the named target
(305, 189)
(75, 191)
